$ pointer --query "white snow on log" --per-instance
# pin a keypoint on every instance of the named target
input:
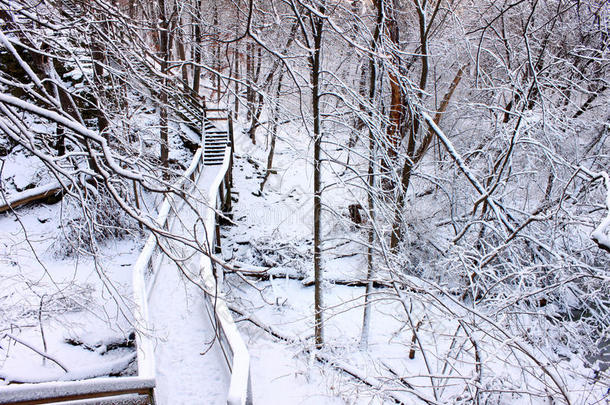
(16, 199)
(83, 373)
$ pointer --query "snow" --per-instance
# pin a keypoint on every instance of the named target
(77, 306)
(601, 234)
(85, 303)
(82, 373)
(20, 171)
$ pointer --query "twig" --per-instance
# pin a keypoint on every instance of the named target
(29, 346)
(44, 341)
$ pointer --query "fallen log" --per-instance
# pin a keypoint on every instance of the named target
(48, 194)
(108, 368)
(264, 274)
(308, 281)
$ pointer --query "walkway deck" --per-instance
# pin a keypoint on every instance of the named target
(187, 355)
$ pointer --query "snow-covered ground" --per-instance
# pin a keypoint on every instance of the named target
(79, 308)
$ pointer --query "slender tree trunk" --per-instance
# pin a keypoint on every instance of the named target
(273, 130)
(217, 61)
(413, 130)
(163, 123)
(182, 57)
(249, 80)
(396, 104)
(97, 55)
(315, 61)
(237, 77)
(197, 54)
(366, 318)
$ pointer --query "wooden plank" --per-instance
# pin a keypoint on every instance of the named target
(70, 398)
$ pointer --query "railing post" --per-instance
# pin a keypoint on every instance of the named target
(217, 246)
(151, 396)
(203, 104)
(229, 175)
(221, 193)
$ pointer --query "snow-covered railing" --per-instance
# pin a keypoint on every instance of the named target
(231, 342)
(146, 359)
(52, 392)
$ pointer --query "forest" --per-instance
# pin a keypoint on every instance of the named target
(305, 201)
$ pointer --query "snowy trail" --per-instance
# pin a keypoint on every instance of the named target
(182, 327)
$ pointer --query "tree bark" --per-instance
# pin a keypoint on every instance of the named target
(273, 131)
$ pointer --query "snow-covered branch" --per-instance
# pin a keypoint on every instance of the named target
(601, 234)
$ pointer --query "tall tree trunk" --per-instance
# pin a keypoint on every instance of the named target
(249, 80)
(413, 128)
(396, 103)
(182, 56)
(197, 54)
(163, 123)
(237, 76)
(217, 53)
(273, 130)
(98, 57)
(366, 318)
(315, 62)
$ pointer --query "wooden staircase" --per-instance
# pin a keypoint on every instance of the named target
(189, 109)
